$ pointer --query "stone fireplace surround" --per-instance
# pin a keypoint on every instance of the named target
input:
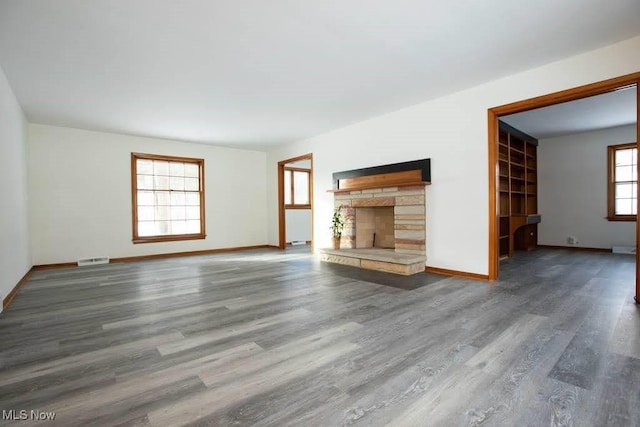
(405, 193)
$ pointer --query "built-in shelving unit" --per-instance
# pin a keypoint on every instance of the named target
(518, 191)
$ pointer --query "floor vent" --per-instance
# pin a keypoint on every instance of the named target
(623, 250)
(298, 242)
(93, 261)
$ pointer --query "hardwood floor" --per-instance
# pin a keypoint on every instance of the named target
(275, 338)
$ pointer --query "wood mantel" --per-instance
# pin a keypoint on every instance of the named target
(372, 186)
(407, 174)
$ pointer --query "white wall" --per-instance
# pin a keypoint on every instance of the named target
(452, 131)
(80, 185)
(572, 190)
(15, 259)
(298, 224)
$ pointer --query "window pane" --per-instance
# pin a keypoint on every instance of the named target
(301, 188)
(177, 198)
(177, 183)
(192, 199)
(146, 229)
(287, 187)
(193, 227)
(153, 228)
(191, 170)
(178, 227)
(162, 213)
(624, 206)
(193, 212)
(161, 182)
(191, 184)
(161, 167)
(624, 157)
(163, 198)
(624, 173)
(144, 167)
(161, 228)
(176, 169)
(624, 191)
(145, 213)
(178, 212)
(145, 182)
(145, 198)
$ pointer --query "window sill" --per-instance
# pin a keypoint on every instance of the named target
(297, 206)
(172, 238)
(628, 218)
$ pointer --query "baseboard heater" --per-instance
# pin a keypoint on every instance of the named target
(630, 250)
(93, 261)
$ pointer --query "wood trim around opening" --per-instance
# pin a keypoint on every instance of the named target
(293, 188)
(281, 206)
(611, 182)
(573, 94)
(637, 296)
(134, 199)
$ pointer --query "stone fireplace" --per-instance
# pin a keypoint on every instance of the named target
(385, 222)
(404, 207)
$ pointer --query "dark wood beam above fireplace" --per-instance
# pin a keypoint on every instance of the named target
(406, 174)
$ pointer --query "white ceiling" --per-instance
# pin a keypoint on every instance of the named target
(597, 112)
(252, 73)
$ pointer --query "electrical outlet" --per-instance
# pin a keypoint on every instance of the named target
(572, 240)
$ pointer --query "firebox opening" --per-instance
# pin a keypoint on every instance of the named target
(374, 227)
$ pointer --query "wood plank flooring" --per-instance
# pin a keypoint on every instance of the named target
(272, 338)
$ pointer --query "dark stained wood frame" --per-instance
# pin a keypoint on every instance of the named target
(281, 206)
(543, 101)
(297, 205)
(411, 178)
(611, 182)
(134, 200)
(384, 173)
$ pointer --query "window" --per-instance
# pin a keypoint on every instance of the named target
(623, 182)
(168, 198)
(297, 185)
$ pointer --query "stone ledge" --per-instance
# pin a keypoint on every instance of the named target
(386, 260)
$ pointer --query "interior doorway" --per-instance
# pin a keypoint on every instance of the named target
(295, 201)
(607, 86)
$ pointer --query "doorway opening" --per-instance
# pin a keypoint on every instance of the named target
(628, 82)
(295, 201)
